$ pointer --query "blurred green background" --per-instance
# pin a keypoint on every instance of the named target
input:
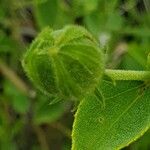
(27, 120)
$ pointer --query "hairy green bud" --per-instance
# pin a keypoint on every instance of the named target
(66, 63)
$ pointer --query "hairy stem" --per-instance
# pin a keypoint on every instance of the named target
(41, 137)
(127, 75)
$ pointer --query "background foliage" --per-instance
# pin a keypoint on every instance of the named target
(27, 121)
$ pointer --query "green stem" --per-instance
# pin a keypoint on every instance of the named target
(9, 74)
(128, 75)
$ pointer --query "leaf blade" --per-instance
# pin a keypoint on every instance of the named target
(125, 117)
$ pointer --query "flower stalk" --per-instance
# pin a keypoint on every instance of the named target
(128, 75)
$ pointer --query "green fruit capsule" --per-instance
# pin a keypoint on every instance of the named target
(66, 63)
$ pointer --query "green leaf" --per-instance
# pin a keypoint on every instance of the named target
(39, 1)
(114, 22)
(51, 13)
(135, 58)
(137, 32)
(19, 102)
(43, 9)
(84, 7)
(148, 61)
(45, 113)
(6, 43)
(113, 117)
